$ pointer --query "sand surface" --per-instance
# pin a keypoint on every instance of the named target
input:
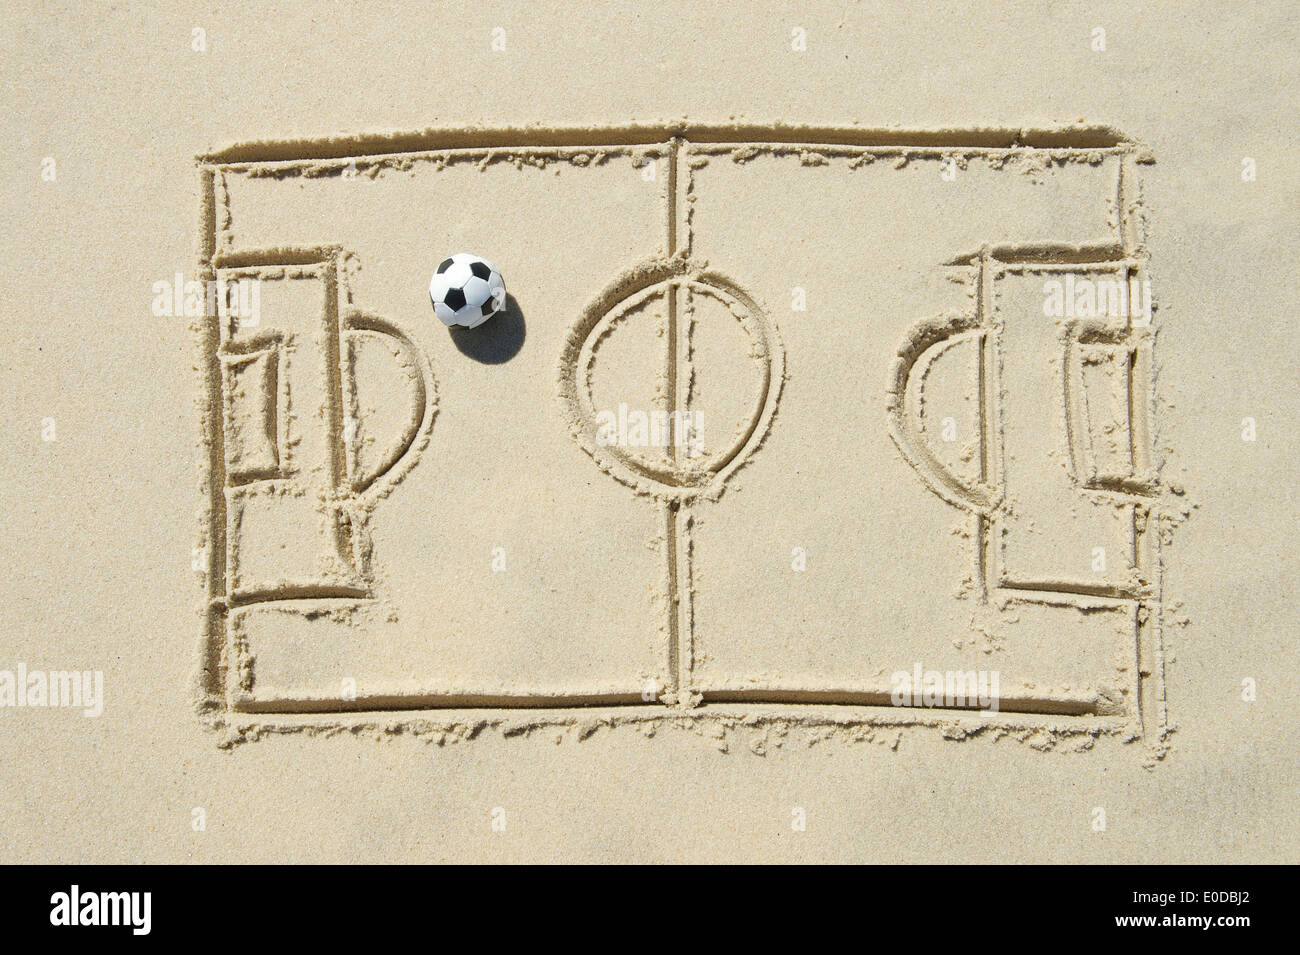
(847, 350)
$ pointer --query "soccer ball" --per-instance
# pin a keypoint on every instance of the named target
(466, 290)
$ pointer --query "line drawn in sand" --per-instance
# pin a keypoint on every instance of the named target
(676, 479)
(292, 480)
(268, 453)
(1104, 405)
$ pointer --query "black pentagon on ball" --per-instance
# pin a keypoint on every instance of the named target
(489, 306)
(480, 268)
(454, 299)
(446, 264)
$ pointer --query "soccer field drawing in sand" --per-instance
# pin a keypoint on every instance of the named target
(907, 453)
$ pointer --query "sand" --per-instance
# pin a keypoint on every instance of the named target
(881, 456)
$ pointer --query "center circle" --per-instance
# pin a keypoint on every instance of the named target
(669, 379)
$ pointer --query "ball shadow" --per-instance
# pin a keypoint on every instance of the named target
(497, 340)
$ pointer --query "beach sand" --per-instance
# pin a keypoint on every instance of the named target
(881, 456)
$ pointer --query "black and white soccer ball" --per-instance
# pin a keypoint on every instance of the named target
(466, 290)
